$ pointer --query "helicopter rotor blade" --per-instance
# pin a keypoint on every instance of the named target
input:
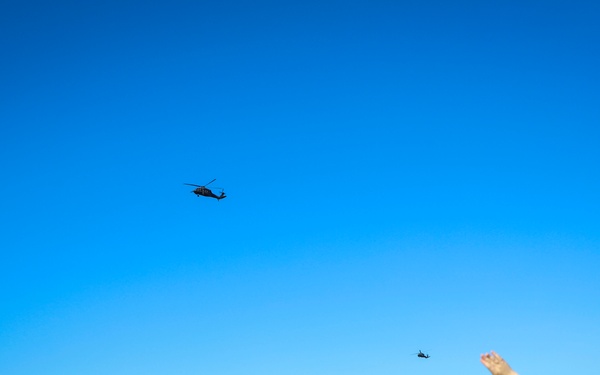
(194, 185)
(211, 182)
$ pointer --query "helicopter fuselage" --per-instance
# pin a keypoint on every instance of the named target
(205, 192)
(422, 355)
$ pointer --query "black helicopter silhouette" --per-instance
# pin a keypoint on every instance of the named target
(205, 192)
(420, 354)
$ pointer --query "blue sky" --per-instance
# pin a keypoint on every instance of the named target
(400, 176)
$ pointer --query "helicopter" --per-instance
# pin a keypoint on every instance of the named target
(206, 192)
(420, 354)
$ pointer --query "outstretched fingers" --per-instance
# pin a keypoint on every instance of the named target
(496, 364)
(500, 359)
(486, 358)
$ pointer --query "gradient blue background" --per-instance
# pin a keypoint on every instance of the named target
(401, 175)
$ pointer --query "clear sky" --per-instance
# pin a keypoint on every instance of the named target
(401, 175)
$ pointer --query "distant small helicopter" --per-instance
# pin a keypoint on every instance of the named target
(205, 192)
(420, 354)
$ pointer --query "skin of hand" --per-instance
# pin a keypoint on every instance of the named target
(496, 364)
